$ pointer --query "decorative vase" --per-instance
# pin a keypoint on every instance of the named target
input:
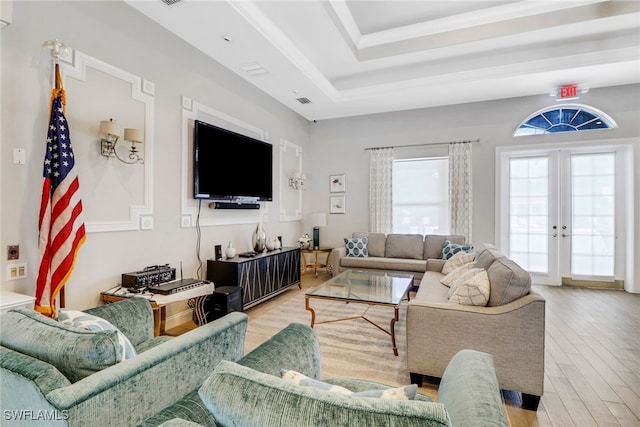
(259, 239)
(276, 243)
(269, 245)
(230, 252)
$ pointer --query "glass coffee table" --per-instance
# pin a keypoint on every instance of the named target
(363, 287)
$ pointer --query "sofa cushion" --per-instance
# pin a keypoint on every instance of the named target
(457, 272)
(375, 244)
(407, 392)
(237, 395)
(404, 246)
(357, 247)
(487, 256)
(76, 352)
(450, 249)
(433, 244)
(456, 261)
(80, 319)
(471, 288)
(391, 264)
(508, 282)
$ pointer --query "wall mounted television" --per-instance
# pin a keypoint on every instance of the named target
(229, 166)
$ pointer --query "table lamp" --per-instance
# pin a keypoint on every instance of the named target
(317, 220)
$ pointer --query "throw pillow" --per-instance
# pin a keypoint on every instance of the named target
(398, 393)
(357, 247)
(450, 249)
(456, 261)
(455, 273)
(89, 322)
(473, 290)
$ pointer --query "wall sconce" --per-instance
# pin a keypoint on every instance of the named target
(110, 136)
(297, 181)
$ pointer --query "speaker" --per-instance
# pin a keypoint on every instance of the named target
(223, 300)
(234, 205)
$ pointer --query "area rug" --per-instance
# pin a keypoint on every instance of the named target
(350, 348)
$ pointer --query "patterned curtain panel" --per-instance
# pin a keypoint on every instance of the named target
(380, 201)
(460, 189)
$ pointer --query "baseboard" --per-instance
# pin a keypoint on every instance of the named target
(179, 319)
(616, 284)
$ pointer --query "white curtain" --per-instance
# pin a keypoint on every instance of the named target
(460, 189)
(380, 198)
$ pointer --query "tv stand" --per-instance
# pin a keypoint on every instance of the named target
(261, 277)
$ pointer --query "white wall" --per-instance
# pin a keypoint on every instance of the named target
(115, 33)
(339, 147)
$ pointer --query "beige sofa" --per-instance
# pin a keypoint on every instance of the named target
(511, 326)
(394, 253)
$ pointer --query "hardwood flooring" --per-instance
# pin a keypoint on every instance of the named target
(592, 357)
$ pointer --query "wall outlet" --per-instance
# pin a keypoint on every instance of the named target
(13, 252)
(16, 271)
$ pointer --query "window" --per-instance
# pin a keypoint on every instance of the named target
(564, 118)
(421, 196)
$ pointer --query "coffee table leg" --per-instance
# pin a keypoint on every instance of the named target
(313, 313)
(393, 329)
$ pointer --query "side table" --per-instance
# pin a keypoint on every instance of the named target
(159, 310)
(313, 260)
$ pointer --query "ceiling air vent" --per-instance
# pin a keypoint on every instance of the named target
(254, 69)
(303, 100)
(171, 2)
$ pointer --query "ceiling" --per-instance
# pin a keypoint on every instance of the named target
(355, 57)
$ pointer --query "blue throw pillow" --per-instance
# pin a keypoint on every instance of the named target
(450, 249)
(357, 247)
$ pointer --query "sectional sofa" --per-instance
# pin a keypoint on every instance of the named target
(510, 324)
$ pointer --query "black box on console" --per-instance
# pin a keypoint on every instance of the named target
(223, 300)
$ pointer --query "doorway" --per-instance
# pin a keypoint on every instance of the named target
(562, 212)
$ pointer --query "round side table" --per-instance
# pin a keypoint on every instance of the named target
(311, 259)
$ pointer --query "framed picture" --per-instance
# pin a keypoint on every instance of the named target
(336, 183)
(337, 204)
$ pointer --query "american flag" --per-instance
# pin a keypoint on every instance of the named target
(60, 222)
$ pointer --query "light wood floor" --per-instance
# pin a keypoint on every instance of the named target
(592, 361)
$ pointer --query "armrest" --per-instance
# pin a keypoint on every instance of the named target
(293, 348)
(334, 258)
(132, 316)
(137, 388)
(434, 264)
(469, 390)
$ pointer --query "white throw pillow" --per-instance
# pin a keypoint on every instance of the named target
(453, 275)
(456, 261)
(472, 288)
(83, 320)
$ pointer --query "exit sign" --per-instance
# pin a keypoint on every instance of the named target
(567, 92)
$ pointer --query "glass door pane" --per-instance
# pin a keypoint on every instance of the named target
(529, 213)
(593, 214)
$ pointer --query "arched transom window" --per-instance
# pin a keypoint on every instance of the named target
(564, 118)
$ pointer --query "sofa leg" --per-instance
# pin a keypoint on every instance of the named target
(530, 401)
(415, 378)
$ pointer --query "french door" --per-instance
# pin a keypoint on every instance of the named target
(560, 210)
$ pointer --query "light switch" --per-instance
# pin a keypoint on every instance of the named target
(19, 156)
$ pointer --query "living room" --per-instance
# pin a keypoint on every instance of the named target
(163, 231)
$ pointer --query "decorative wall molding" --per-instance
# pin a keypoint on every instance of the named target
(290, 198)
(191, 111)
(123, 213)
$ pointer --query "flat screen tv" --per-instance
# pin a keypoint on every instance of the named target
(230, 166)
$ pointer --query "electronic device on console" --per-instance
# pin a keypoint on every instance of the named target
(149, 276)
(177, 286)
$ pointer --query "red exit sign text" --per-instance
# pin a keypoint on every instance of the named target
(570, 91)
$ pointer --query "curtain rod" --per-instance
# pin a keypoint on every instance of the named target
(467, 141)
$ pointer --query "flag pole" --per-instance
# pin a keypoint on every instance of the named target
(58, 245)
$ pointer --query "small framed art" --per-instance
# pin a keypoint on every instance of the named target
(337, 204)
(336, 183)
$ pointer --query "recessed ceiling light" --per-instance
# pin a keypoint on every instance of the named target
(226, 38)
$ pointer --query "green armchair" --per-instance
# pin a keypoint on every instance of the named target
(70, 377)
